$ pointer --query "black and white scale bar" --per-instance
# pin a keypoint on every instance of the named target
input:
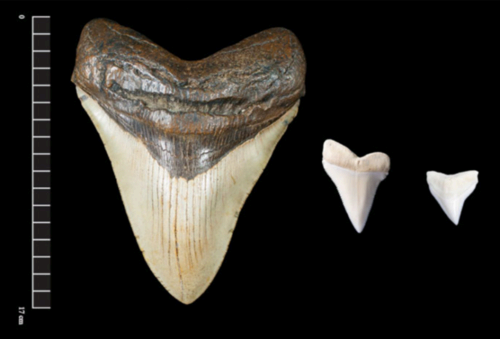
(40, 152)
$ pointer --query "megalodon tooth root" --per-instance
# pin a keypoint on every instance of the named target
(187, 139)
(451, 191)
(356, 179)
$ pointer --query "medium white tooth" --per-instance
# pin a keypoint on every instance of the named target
(183, 227)
(356, 178)
(451, 191)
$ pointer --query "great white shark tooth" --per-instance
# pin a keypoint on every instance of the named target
(187, 139)
(356, 178)
(451, 191)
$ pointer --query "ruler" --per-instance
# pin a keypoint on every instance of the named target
(41, 221)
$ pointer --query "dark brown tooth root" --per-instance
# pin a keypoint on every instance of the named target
(189, 114)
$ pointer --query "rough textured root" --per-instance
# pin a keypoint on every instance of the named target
(189, 114)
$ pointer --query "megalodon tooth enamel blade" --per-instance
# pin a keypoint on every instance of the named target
(451, 191)
(356, 179)
(187, 139)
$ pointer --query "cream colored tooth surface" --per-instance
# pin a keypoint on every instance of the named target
(356, 179)
(183, 227)
(451, 191)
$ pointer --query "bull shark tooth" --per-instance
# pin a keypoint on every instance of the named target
(356, 178)
(451, 191)
(187, 140)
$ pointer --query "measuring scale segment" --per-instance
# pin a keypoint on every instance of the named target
(41, 188)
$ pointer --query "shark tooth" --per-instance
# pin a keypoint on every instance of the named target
(187, 139)
(356, 178)
(451, 191)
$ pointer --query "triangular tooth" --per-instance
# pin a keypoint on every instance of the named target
(451, 191)
(356, 178)
(187, 139)
(183, 227)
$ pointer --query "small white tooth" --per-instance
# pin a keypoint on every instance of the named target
(356, 178)
(451, 191)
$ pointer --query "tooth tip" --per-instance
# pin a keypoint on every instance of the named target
(187, 301)
(188, 289)
(357, 220)
(359, 228)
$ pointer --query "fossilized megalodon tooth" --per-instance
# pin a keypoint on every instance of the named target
(187, 139)
(451, 191)
(357, 179)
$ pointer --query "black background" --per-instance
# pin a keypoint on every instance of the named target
(419, 85)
